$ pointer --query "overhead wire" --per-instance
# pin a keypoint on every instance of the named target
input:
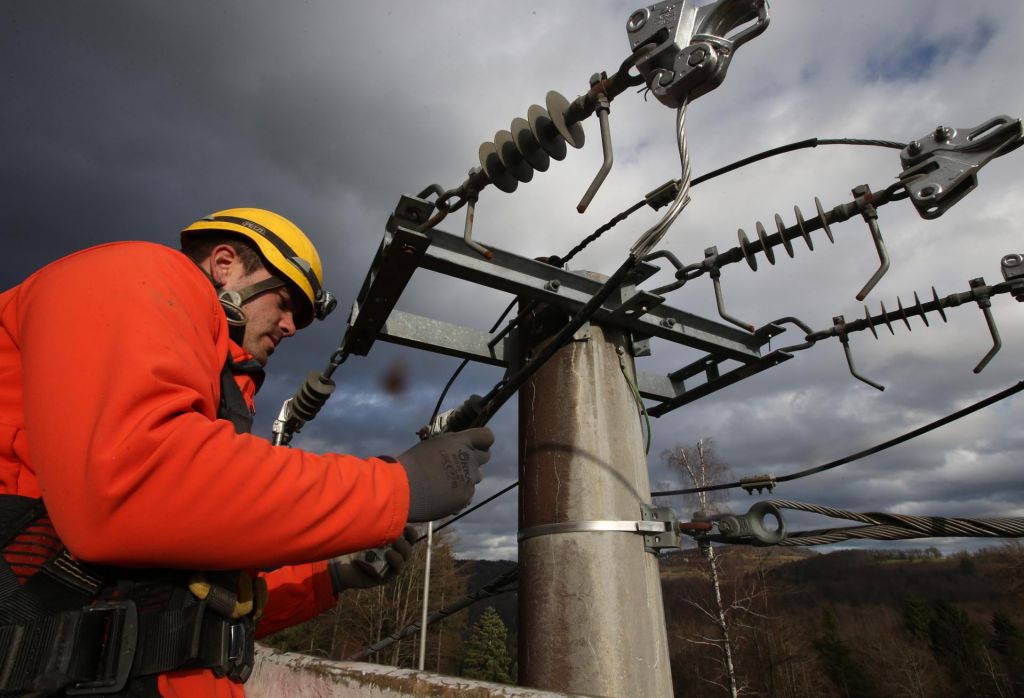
(647, 241)
(877, 448)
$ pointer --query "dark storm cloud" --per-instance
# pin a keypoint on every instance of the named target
(130, 119)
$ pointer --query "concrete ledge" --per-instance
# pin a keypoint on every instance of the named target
(298, 676)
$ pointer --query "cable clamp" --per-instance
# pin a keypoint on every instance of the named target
(759, 483)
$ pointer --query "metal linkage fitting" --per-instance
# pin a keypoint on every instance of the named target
(1012, 266)
(942, 167)
(749, 528)
(684, 51)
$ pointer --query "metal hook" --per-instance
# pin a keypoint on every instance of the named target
(867, 210)
(711, 263)
(840, 323)
(986, 308)
(602, 108)
(468, 230)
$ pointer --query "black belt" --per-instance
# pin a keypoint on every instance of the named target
(99, 648)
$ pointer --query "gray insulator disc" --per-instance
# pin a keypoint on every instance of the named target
(528, 146)
(495, 171)
(511, 158)
(545, 132)
(558, 108)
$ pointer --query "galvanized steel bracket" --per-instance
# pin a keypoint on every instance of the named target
(684, 51)
(656, 540)
(942, 167)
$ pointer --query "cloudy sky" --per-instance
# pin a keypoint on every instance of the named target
(128, 120)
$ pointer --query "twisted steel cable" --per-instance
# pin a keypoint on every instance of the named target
(647, 242)
(884, 526)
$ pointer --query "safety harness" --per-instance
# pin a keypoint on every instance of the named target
(72, 629)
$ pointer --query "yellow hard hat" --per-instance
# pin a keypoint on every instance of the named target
(284, 247)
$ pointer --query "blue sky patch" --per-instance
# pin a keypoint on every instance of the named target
(917, 59)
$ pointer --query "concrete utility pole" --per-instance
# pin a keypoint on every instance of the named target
(591, 618)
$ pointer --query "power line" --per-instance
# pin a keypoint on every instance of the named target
(931, 426)
(655, 200)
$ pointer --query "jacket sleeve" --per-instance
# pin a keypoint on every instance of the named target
(296, 594)
(122, 350)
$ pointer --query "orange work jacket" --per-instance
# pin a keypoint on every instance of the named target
(110, 364)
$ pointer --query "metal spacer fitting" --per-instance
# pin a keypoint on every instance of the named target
(637, 20)
(696, 57)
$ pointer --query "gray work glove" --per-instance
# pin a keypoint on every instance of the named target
(443, 472)
(365, 570)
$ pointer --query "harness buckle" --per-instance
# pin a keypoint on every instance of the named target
(104, 645)
(229, 647)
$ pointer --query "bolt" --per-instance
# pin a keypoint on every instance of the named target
(929, 191)
(620, 350)
(553, 285)
(415, 215)
(977, 283)
(697, 57)
(914, 148)
(1012, 260)
(665, 77)
(668, 322)
(637, 20)
(944, 133)
(408, 249)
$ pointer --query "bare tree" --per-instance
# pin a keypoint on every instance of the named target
(699, 466)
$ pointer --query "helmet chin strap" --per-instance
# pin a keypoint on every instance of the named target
(232, 302)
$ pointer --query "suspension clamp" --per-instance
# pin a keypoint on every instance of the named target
(683, 51)
(942, 167)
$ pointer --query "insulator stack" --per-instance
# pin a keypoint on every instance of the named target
(530, 143)
(311, 396)
(765, 242)
(919, 309)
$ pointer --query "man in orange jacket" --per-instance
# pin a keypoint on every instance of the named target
(135, 507)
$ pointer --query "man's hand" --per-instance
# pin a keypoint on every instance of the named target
(443, 472)
(356, 573)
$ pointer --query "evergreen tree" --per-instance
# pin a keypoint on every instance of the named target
(918, 617)
(487, 657)
(839, 660)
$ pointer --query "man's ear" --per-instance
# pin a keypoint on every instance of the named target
(223, 258)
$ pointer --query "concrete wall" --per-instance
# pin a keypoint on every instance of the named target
(299, 676)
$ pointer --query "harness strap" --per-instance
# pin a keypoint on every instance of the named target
(69, 628)
(100, 648)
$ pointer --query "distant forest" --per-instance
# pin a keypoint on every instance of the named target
(801, 624)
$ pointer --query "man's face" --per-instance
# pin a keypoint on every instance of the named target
(269, 315)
